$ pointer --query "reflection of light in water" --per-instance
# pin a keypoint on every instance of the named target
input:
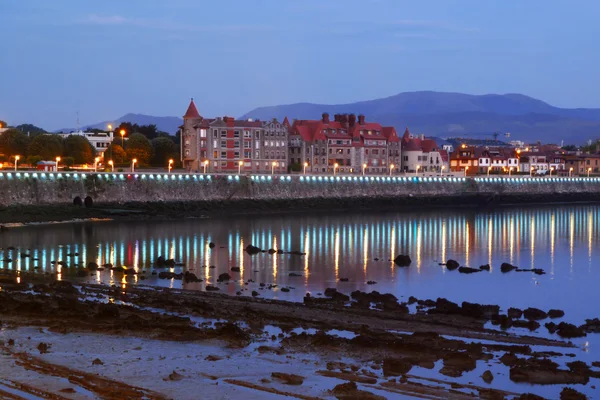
(490, 241)
(393, 249)
(552, 242)
(532, 238)
(444, 244)
(418, 239)
(589, 228)
(467, 243)
(336, 254)
(59, 272)
(136, 257)
(206, 258)
(512, 239)
(172, 249)
(365, 250)
(241, 251)
(571, 238)
(274, 259)
(306, 247)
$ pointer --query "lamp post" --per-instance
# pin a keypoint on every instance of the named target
(205, 165)
(133, 164)
(170, 165)
(305, 165)
(589, 170)
(273, 164)
(570, 172)
(240, 167)
(466, 169)
(364, 167)
(510, 171)
(110, 130)
(531, 172)
(417, 169)
(551, 169)
(122, 132)
(335, 166)
(17, 158)
(57, 161)
(391, 168)
(112, 165)
(442, 170)
(489, 169)
(96, 164)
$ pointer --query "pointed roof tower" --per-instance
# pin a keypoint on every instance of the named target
(192, 111)
(286, 122)
(406, 136)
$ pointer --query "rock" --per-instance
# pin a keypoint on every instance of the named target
(330, 292)
(531, 325)
(68, 390)
(211, 288)
(293, 274)
(515, 313)
(506, 267)
(160, 262)
(272, 251)
(571, 394)
(467, 270)
(551, 326)
(118, 269)
(402, 260)
(485, 267)
(252, 250)
(475, 310)
(224, 277)
(343, 279)
(211, 245)
(455, 364)
(170, 263)
(288, 379)
(349, 391)
(371, 283)
(190, 277)
(530, 396)
(567, 330)
(92, 266)
(166, 275)
(544, 372)
(452, 265)
(556, 313)
(174, 376)
(534, 314)
(97, 361)
(24, 255)
(235, 269)
(285, 290)
(43, 348)
(213, 358)
(129, 271)
(395, 367)
(487, 376)
(255, 293)
(82, 273)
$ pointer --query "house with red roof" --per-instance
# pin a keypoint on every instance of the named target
(346, 144)
(225, 144)
(420, 154)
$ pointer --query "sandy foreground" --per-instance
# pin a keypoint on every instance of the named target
(85, 342)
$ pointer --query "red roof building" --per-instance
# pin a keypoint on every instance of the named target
(230, 145)
(346, 144)
(420, 154)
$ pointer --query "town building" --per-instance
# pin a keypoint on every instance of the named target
(484, 159)
(221, 144)
(100, 141)
(422, 155)
(346, 144)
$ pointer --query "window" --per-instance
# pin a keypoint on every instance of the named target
(203, 133)
(257, 135)
(247, 154)
(214, 144)
(187, 142)
(247, 145)
(223, 154)
(223, 134)
(236, 154)
(236, 144)
(223, 143)
(215, 154)
(236, 134)
(203, 143)
(257, 154)
(257, 145)
(215, 133)
(247, 134)
(224, 165)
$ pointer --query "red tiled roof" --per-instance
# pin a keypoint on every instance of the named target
(311, 130)
(192, 111)
(412, 145)
(286, 122)
(444, 155)
(390, 133)
(428, 145)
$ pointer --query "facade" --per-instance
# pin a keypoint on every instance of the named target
(422, 155)
(348, 144)
(478, 159)
(100, 141)
(221, 144)
(580, 164)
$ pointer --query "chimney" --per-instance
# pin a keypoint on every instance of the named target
(352, 119)
(325, 118)
(336, 117)
(361, 119)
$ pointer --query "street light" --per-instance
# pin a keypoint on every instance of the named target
(240, 167)
(417, 169)
(489, 169)
(364, 166)
(96, 164)
(570, 172)
(122, 138)
(466, 169)
(335, 166)
(109, 127)
(442, 170)
(273, 164)
(305, 165)
(510, 171)
(57, 161)
(531, 172)
(133, 164)
(391, 168)
(551, 169)
(205, 165)
(589, 170)
(112, 165)
(170, 165)
(17, 158)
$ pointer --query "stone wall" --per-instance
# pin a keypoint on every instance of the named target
(28, 188)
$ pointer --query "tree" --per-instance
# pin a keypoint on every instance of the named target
(80, 149)
(116, 153)
(164, 149)
(570, 147)
(139, 147)
(30, 129)
(13, 142)
(33, 160)
(3, 124)
(48, 146)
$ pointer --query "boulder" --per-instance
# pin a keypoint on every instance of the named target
(534, 314)
(452, 265)
(468, 270)
(82, 273)
(567, 330)
(224, 277)
(92, 266)
(571, 394)
(211, 288)
(487, 376)
(235, 269)
(592, 325)
(515, 313)
(485, 267)
(252, 250)
(506, 267)
(551, 326)
(396, 367)
(531, 325)
(475, 310)
(160, 262)
(402, 260)
(288, 379)
(190, 277)
(211, 245)
(556, 313)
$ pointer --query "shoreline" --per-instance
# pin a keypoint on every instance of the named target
(12, 216)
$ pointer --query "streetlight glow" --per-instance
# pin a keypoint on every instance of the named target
(17, 158)
(570, 172)
(335, 167)
(133, 164)
(122, 138)
(205, 165)
(391, 168)
(109, 127)
(112, 165)
(589, 170)
(417, 169)
(273, 164)
(240, 167)
(57, 162)
(489, 169)
(305, 165)
(96, 164)
(170, 165)
(364, 166)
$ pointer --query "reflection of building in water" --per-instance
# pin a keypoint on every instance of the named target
(343, 246)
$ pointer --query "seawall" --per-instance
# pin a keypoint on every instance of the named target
(59, 189)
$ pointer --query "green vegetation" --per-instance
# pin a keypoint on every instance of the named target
(116, 153)
(164, 149)
(139, 147)
(13, 142)
(80, 149)
(47, 146)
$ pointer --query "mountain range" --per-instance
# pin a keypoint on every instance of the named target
(438, 114)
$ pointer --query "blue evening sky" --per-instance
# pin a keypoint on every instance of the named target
(110, 57)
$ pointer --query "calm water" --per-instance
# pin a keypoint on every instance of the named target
(563, 240)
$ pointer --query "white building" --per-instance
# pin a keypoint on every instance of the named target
(100, 141)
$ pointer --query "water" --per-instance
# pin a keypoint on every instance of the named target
(562, 240)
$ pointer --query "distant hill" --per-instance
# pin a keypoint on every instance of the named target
(166, 124)
(456, 114)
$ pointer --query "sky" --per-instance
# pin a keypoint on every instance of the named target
(103, 59)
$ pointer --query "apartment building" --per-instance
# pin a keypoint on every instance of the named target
(422, 155)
